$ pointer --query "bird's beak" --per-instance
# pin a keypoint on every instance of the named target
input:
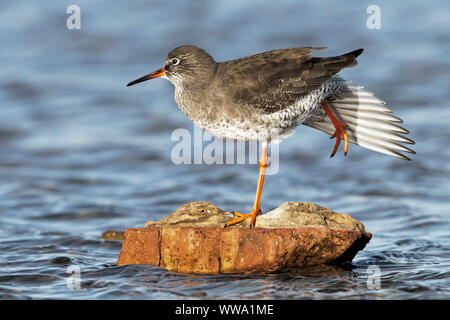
(155, 74)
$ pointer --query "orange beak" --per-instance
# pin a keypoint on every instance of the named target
(154, 74)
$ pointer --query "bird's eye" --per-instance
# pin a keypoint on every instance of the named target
(174, 61)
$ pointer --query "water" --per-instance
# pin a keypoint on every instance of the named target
(82, 154)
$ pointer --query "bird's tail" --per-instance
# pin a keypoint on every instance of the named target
(370, 124)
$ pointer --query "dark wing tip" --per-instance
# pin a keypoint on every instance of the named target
(356, 53)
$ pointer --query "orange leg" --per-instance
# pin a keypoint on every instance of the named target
(339, 129)
(256, 206)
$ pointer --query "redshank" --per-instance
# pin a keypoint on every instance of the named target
(264, 97)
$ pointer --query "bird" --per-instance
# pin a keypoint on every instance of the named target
(265, 96)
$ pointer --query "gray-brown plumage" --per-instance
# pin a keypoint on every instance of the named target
(271, 93)
(277, 79)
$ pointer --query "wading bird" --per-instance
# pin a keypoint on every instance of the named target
(269, 94)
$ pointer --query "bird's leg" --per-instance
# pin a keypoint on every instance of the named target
(256, 206)
(339, 129)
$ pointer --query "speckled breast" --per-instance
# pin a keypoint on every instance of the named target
(247, 124)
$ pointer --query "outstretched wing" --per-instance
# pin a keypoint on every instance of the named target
(274, 80)
(370, 123)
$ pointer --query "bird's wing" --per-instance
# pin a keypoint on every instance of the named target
(274, 80)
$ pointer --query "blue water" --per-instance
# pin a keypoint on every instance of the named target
(82, 154)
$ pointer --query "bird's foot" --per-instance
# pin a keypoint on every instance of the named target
(339, 126)
(244, 216)
(337, 134)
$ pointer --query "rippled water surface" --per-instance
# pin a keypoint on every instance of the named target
(82, 154)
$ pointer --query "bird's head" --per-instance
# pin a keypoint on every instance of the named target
(184, 66)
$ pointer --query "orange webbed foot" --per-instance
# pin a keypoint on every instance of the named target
(339, 132)
(244, 216)
(256, 206)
